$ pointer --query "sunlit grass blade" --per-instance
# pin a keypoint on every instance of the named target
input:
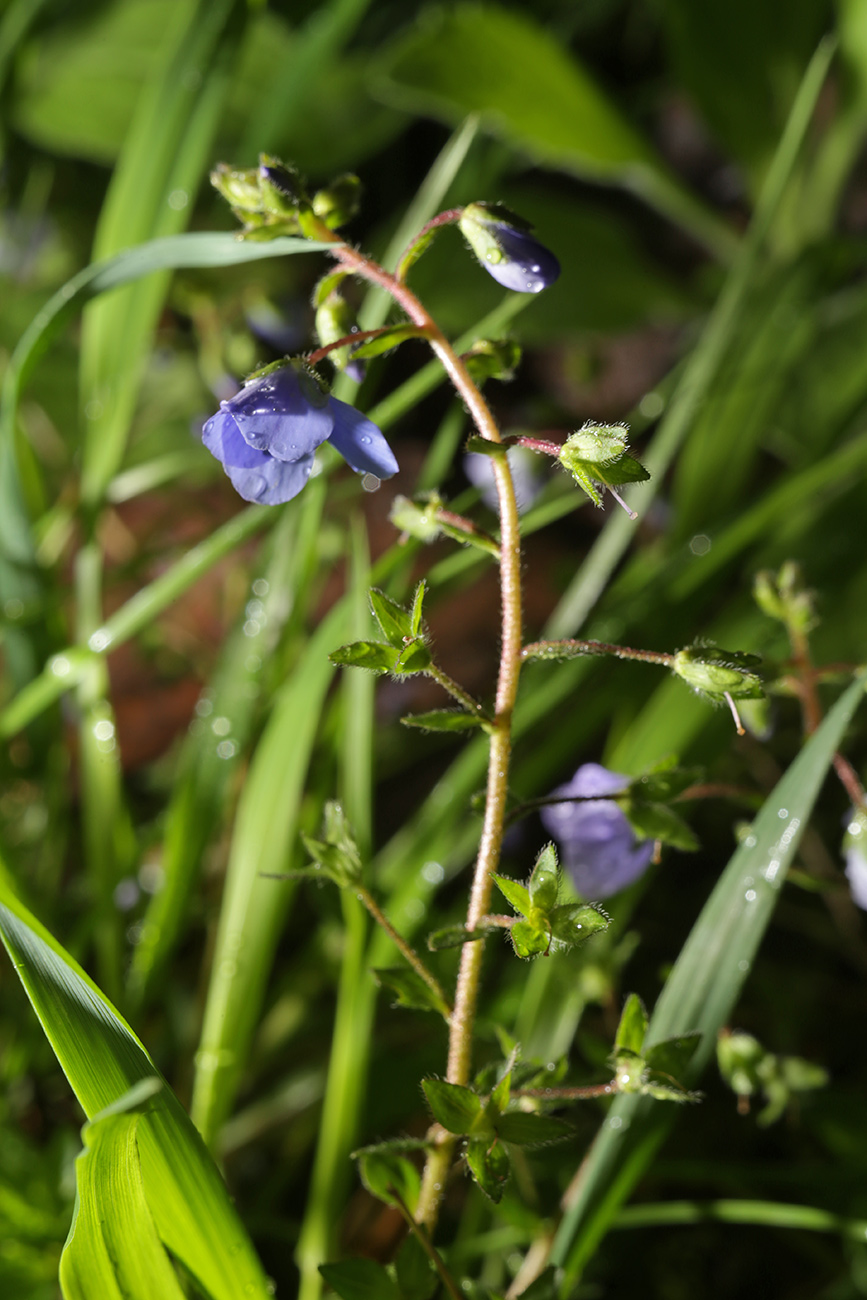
(254, 906)
(113, 1245)
(702, 989)
(356, 994)
(102, 1059)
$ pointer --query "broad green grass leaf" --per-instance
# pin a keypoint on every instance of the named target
(526, 88)
(254, 906)
(703, 987)
(102, 1059)
(113, 1247)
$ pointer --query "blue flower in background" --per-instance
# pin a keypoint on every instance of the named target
(507, 250)
(266, 436)
(597, 844)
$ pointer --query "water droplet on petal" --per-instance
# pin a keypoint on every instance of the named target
(257, 485)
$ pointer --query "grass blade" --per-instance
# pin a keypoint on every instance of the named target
(102, 1059)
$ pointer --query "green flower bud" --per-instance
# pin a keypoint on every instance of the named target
(719, 673)
(334, 320)
(339, 201)
(239, 188)
(280, 186)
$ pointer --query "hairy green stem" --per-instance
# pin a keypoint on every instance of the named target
(469, 976)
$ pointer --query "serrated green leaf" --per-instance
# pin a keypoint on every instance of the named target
(374, 655)
(394, 621)
(517, 894)
(455, 1107)
(386, 1172)
(453, 936)
(545, 879)
(632, 1026)
(444, 720)
(360, 1279)
(524, 1128)
(489, 1166)
(411, 989)
(572, 923)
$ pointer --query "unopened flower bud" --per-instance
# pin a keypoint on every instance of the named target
(280, 186)
(506, 249)
(239, 188)
(339, 201)
(334, 320)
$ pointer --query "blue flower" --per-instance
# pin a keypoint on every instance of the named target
(597, 843)
(854, 844)
(506, 248)
(266, 436)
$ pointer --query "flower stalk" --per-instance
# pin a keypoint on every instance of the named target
(469, 977)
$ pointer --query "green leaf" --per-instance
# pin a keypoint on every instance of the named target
(444, 720)
(524, 1128)
(394, 621)
(411, 989)
(374, 655)
(530, 939)
(191, 1209)
(545, 879)
(673, 1055)
(113, 1246)
(455, 1107)
(517, 894)
(414, 659)
(489, 1166)
(416, 1276)
(572, 923)
(386, 1172)
(626, 470)
(453, 936)
(632, 1026)
(547, 107)
(337, 855)
(360, 1279)
(391, 337)
(417, 609)
(656, 821)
